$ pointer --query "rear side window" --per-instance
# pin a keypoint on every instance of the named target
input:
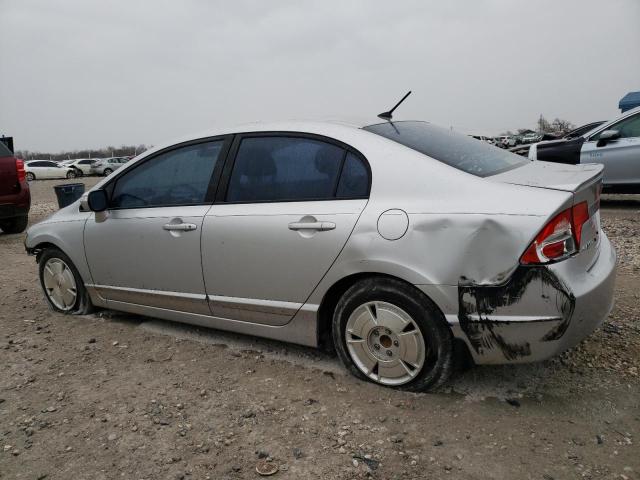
(4, 150)
(177, 177)
(283, 168)
(354, 180)
(454, 149)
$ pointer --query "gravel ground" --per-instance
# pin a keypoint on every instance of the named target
(119, 396)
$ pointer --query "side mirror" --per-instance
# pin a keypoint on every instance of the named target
(607, 136)
(98, 201)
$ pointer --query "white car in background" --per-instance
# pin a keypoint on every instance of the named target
(106, 166)
(46, 169)
(82, 165)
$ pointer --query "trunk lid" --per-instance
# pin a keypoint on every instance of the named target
(583, 181)
(556, 176)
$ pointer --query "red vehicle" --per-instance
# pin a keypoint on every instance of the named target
(15, 199)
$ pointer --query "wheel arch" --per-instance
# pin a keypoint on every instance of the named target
(41, 247)
(69, 241)
(338, 289)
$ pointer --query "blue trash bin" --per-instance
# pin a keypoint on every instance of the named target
(69, 193)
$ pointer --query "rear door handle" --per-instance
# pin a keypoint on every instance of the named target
(322, 226)
(180, 227)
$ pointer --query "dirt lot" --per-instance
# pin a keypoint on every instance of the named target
(118, 396)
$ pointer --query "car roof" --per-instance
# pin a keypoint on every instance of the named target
(330, 128)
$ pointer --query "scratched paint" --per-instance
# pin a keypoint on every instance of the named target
(478, 306)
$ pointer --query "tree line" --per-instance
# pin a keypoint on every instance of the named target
(557, 127)
(105, 152)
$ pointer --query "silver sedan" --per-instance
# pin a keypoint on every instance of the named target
(399, 244)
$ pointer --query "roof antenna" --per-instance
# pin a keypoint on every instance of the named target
(389, 114)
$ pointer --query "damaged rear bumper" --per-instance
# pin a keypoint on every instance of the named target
(538, 313)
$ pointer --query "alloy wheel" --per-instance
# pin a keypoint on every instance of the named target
(385, 343)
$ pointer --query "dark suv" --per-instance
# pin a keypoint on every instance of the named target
(15, 199)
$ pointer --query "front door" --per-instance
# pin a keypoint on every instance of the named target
(620, 157)
(289, 208)
(145, 249)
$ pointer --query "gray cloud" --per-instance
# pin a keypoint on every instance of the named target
(80, 73)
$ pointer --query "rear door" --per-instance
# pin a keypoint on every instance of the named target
(42, 169)
(146, 249)
(55, 170)
(620, 157)
(285, 209)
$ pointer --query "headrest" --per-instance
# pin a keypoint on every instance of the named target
(327, 159)
(259, 162)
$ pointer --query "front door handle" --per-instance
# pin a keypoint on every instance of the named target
(321, 226)
(180, 227)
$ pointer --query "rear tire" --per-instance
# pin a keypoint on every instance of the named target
(71, 174)
(14, 225)
(61, 283)
(30, 177)
(389, 333)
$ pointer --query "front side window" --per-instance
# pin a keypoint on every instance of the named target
(177, 177)
(628, 128)
(454, 149)
(283, 168)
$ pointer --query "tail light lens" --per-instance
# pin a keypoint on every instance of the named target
(20, 170)
(560, 238)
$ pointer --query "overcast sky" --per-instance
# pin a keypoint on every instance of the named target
(83, 73)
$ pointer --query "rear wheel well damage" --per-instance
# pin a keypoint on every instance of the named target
(338, 289)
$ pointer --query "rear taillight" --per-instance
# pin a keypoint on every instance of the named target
(20, 170)
(560, 238)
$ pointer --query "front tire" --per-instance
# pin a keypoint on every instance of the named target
(14, 225)
(71, 174)
(61, 283)
(387, 332)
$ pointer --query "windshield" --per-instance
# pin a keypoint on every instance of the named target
(456, 150)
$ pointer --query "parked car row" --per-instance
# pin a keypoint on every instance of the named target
(509, 141)
(48, 169)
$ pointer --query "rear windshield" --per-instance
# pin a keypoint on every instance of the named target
(4, 150)
(457, 150)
